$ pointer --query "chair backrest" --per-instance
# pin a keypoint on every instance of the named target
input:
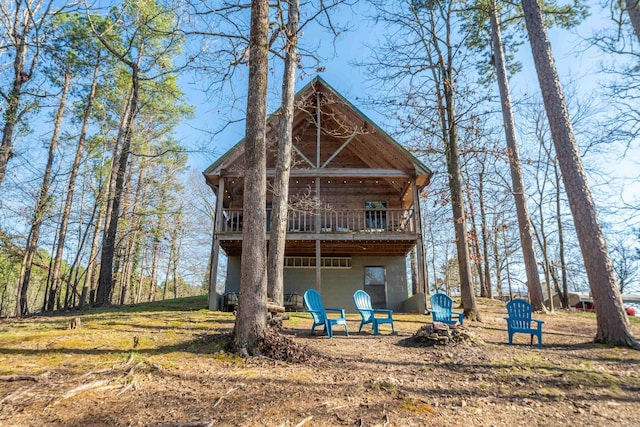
(519, 312)
(363, 304)
(362, 300)
(313, 302)
(441, 306)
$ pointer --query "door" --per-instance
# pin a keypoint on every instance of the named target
(375, 284)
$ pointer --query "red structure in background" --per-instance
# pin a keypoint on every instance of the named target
(588, 306)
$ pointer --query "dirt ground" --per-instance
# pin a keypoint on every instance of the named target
(167, 366)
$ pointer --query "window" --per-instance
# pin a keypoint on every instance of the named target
(375, 215)
(374, 276)
(310, 262)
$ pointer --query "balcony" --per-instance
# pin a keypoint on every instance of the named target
(362, 221)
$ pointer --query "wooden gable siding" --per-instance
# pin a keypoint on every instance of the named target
(349, 143)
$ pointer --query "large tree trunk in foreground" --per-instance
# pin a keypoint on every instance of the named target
(524, 220)
(613, 325)
(251, 317)
(275, 260)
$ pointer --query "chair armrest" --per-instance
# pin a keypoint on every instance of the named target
(337, 310)
(540, 322)
(389, 313)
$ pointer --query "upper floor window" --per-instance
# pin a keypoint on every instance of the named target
(375, 215)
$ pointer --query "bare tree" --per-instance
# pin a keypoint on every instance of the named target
(25, 25)
(423, 57)
(625, 262)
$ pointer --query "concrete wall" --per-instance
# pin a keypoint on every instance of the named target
(338, 286)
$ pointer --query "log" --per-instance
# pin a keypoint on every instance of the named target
(12, 378)
(274, 308)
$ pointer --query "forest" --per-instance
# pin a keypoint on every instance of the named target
(101, 203)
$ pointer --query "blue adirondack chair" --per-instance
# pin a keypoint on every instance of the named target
(368, 313)
(519, 320)
(313, 303)
(441, 309)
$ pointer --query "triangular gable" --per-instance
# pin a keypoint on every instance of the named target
(348, 135)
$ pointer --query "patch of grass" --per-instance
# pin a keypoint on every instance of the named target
(249, 373)
(593, 379)
(297, 319)
(418, 407)
(489, 302)
(223, 356)
(551, 393)
(382, 385)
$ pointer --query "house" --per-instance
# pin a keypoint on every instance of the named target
(354, 215)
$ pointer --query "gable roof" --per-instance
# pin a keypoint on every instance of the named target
(343, 114)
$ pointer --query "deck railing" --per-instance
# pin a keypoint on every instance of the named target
(333, 221)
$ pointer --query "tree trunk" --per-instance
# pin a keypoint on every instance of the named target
(536, 296)
(496, 257)
(156, 234)
(443, 73)
(105, 281)
(251, 319)
(613, 324)
(138, 294)
(633, 8)
(541, 237)
(123, 244)
(475, 245)
(279, 211)
(41, 208)
(153, 285)
(132, 245)
(485, 234)
(564, 295)
(174, 273)
(166, 276)
(90, 281)
(12, 112)
(74, 272)
(467, 290)
(172, 255)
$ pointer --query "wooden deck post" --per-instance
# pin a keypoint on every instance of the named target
(212, 298)
(422, 280)
(317, 218)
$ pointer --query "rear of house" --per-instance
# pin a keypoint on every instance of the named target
(354, 214)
